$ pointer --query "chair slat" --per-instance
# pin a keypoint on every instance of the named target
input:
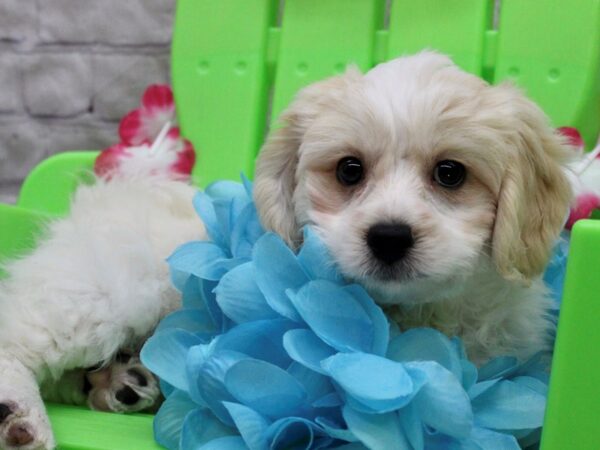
(552, 49)
(319, 38)
(20, 228)
(220, 81)
(454, 27)
(573, 410)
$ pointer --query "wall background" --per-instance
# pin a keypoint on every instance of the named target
(69, 70)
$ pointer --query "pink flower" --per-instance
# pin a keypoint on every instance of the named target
(173, 157)
(585, 204)
(141, 150)
(573, 137)
(143, 124)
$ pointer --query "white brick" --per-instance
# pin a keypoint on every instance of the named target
(90, 136)
(17, 19)
(133, 22)
(120, 80)
(57, 84)
(10, 86)
(21, 148)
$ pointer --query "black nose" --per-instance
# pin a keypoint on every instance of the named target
(389, 242)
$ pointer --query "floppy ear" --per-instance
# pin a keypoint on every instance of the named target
(535, 193)
(275, 177)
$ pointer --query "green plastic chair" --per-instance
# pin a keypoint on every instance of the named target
(234, 65)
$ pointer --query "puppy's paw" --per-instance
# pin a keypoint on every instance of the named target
(24, 428)
(123, 387)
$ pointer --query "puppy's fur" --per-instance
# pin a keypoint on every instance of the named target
(480, 249)
(98, 284)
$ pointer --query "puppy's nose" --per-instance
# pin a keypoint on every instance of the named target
(389, 242)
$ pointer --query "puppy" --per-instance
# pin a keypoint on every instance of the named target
(439, 193)
(74, 313)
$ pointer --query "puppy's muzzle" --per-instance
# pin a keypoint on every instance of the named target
(390, 242)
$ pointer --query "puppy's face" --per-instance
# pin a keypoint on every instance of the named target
(416, 175)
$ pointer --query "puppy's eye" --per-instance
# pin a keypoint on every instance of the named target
(349, 171)
(449, 174)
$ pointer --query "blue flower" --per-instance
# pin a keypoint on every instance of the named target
(275, 350)
(554, 276)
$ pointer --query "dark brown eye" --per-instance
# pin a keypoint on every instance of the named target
(449, 174)
(349, 171)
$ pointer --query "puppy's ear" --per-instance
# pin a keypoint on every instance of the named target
(535, 193)
(275, 178)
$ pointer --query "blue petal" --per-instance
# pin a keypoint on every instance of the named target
(509, 406)
(315, 259)
(246, 231)
(374, 383)
(469, 374)
(316, 385)
(240, 298)
(226, 190)
(533, 383)
(481, 387)
(248, 185)
(198, 295)
(294, 433)
(251, 425)
(168, 421)
(490, 440)
(209, 382)
(200, 427)
(196, 358)
(412, 426)
(442, 402)
(334, 430)
(376, 431)
(352, 446)
(178, 279)
(381, 325)
(426, 344)
(306, 348)
(554, 275)
(224, 443)
(192, 320)
(335, 316)
(223, 211)
(266, 388)
(498, 367)
(278, 271)
(331, 400)
(165, 353)
(262, 339)
(210, 304)
(205, 209)
(191, 294)
(165, 388)
(203, 259)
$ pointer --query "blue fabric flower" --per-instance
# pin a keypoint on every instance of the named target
(275, 350)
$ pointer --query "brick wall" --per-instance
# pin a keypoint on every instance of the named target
(69, 70)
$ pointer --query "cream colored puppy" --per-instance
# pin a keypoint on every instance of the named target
(441, 194)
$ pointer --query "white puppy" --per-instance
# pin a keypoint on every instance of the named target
(94, 288)
(441, 194)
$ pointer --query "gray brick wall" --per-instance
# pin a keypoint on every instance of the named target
(69, 70)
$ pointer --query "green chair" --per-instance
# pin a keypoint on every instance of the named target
(237, 63)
